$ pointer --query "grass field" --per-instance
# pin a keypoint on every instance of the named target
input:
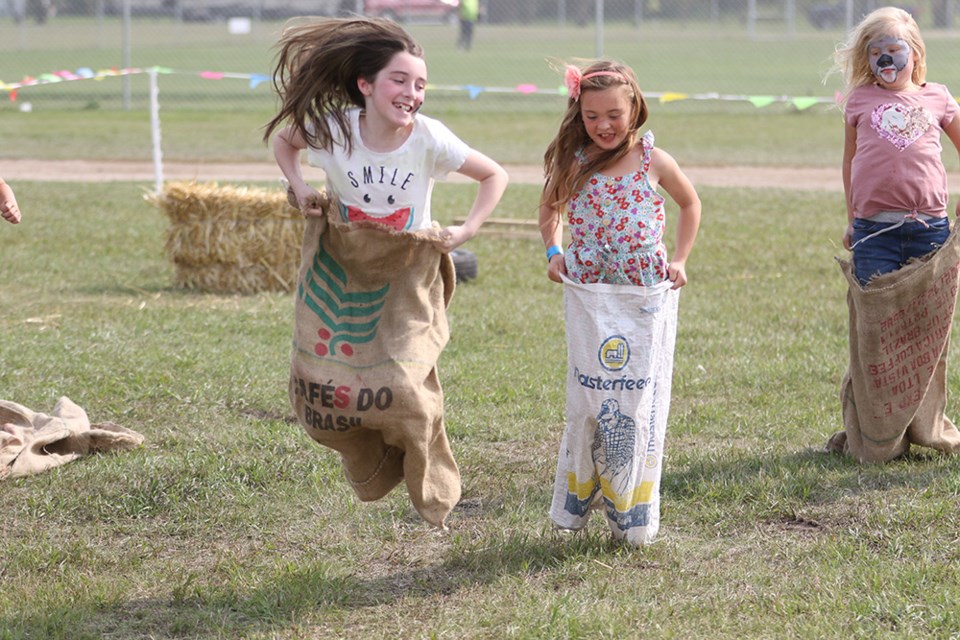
(230, 523)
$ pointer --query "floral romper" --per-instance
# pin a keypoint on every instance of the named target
(616, 225)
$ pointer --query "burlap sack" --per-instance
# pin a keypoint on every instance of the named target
(31, 442)
(370, 326)
(894, 391)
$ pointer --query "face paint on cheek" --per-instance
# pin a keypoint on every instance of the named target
(887, 64)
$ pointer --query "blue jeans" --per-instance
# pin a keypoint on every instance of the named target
(892, 249)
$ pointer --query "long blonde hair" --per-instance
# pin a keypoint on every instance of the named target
(852, 60)
(317, 70)
(564, 174)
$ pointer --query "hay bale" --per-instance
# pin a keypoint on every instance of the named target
(225, 239)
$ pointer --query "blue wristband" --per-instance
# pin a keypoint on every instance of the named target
(555, 250)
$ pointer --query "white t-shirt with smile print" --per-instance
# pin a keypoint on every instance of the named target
(392, 187)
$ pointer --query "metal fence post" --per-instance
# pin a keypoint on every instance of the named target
(125, 54)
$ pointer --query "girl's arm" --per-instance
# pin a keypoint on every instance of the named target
(665, 170)
(493, 181)
(849, 150)
(953, 132)
(9, 209)
(551, 230)
(287, 146)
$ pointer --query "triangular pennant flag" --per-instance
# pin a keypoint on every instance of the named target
(474, 91)
(257, 79)
(761, 101)
(527, 88)
(671, 96)
(804, 103)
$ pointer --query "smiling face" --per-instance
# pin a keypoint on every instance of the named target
(396, 93)
(607, 115)
(891, 61)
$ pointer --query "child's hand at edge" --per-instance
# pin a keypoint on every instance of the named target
(9, 208)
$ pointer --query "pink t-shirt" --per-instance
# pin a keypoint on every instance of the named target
(897, 165)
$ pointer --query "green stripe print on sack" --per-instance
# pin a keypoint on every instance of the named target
(350, 317)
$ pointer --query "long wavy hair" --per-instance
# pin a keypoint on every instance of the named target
(851, 57)
(317, 69)
(565, 175)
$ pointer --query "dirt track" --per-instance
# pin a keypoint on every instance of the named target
(806, 178)
(107, 171)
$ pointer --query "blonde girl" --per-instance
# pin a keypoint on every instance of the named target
(893, 174)
(896, 200)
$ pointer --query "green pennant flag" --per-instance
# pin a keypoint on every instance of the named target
(761, 101)
(804, 103)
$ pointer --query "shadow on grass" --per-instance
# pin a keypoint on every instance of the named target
(799, 477)
(293, 592)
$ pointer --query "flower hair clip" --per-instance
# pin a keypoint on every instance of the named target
(572, 77)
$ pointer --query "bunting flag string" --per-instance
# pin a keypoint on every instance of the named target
(474, 92)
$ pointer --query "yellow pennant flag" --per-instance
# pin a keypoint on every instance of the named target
(673, 97)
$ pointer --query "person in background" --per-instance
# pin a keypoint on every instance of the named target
(469, 13)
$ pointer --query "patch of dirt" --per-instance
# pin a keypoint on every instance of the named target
(799, 178)
(798, 525)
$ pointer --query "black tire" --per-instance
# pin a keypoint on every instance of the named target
(464, 264)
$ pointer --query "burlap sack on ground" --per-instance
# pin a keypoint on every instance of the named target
(31, 442)
(620, 343)
(894, 391)
(370, 326)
